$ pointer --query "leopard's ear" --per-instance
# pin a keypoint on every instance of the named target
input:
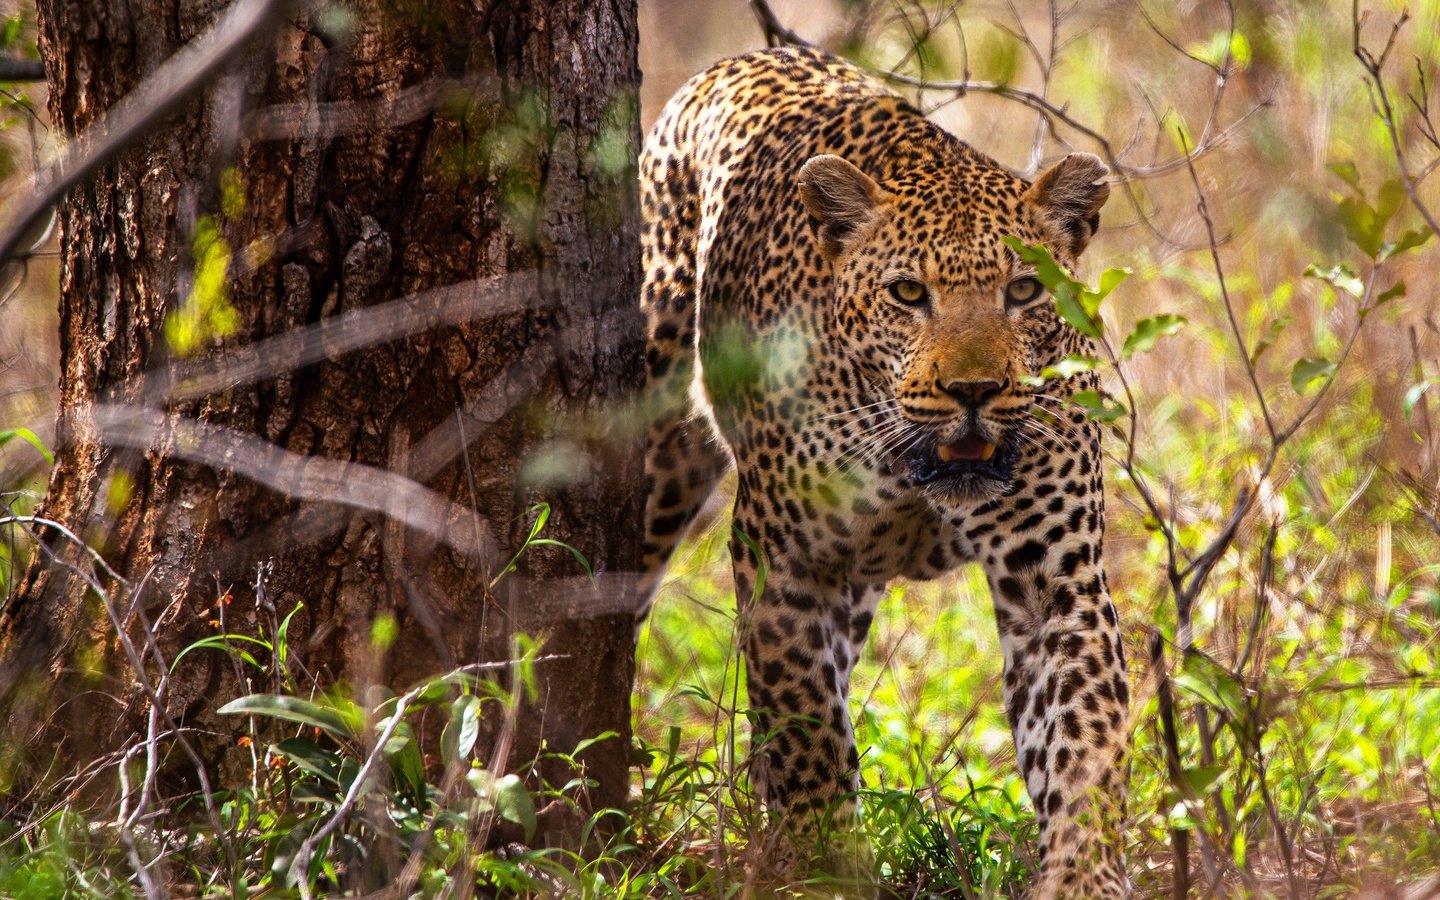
(1069, 195)
(840, 198)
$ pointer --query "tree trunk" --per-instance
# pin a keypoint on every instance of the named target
(345, 161)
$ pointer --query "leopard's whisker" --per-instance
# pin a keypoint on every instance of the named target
(890, 401)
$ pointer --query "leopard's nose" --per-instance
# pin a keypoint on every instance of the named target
(970, 393)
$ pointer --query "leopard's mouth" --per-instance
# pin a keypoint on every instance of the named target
(964, 465)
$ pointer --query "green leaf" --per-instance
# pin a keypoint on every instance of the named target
(1210, 682)
(1416, 391)
(307, 755)
(1338, 276)
(514, 803)
(1201, 778)
(1069, 367)
(1097, 407)
(1306, 371)
(507, 796)
(1070, 309)
(1361, 225)
(206, 314)
(1215, 50)
(1240, 49)
(462, 730)
(1075, 303)
(1395, 290)
(1347, 172)
(1148, 331)
(282, 638)
(590, 742)
(1392, 194)
(341, 721)
(226, 643)
(1110, 279)
(406, 763)
(1408, 241)
(579, 557)
(30, 438)
(1277, 325)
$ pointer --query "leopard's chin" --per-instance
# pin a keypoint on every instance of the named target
(962, 470)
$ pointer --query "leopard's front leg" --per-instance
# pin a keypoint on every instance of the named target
(1065, 688)
(795, 634)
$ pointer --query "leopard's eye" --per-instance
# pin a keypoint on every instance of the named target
(911, 293)
(1022, 291)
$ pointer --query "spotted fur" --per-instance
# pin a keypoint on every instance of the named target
(793, 212)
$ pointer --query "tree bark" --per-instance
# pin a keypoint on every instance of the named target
(343, 163)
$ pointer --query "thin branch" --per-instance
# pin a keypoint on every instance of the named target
(454, 304)
(1373, 66)
(776, 34)
(326, 121)
(163, 93)
(1204, 209)
(302, 477)
(16, 70)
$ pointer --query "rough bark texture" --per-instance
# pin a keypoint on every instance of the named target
(523, 168)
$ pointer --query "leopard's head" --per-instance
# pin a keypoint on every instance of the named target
(940, 317)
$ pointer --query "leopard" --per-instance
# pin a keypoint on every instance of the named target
(833, 312)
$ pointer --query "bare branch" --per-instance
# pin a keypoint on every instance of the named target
(450, 305)
(21, 70)
(327, 121)
(302, 477)
(162, 94)
(776, 34)
(1204, 209)
(1374, 66)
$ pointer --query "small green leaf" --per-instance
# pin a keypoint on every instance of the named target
(1392, 194)
(1361, 225)
(1395, 290)
(1075, 303)
(590, 742)
(1347, 172)
(224, 642)
(383, 632)
(1215, 50)
(1306, 371)
(341, 720)
(30, 438)
(1070, 309)
(507, 796)
(1201, 778)
(998, 57)
(1240, 49)
(1340, 277)
(1277, 325)
(282, 638)
(403, 751)
(1148, 331)
(1098, 407)
(1208, 680)
(1407, 241)
(1110, 279)
(1069, 367)
(513, 802)
(306, 754)
(462, 730)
